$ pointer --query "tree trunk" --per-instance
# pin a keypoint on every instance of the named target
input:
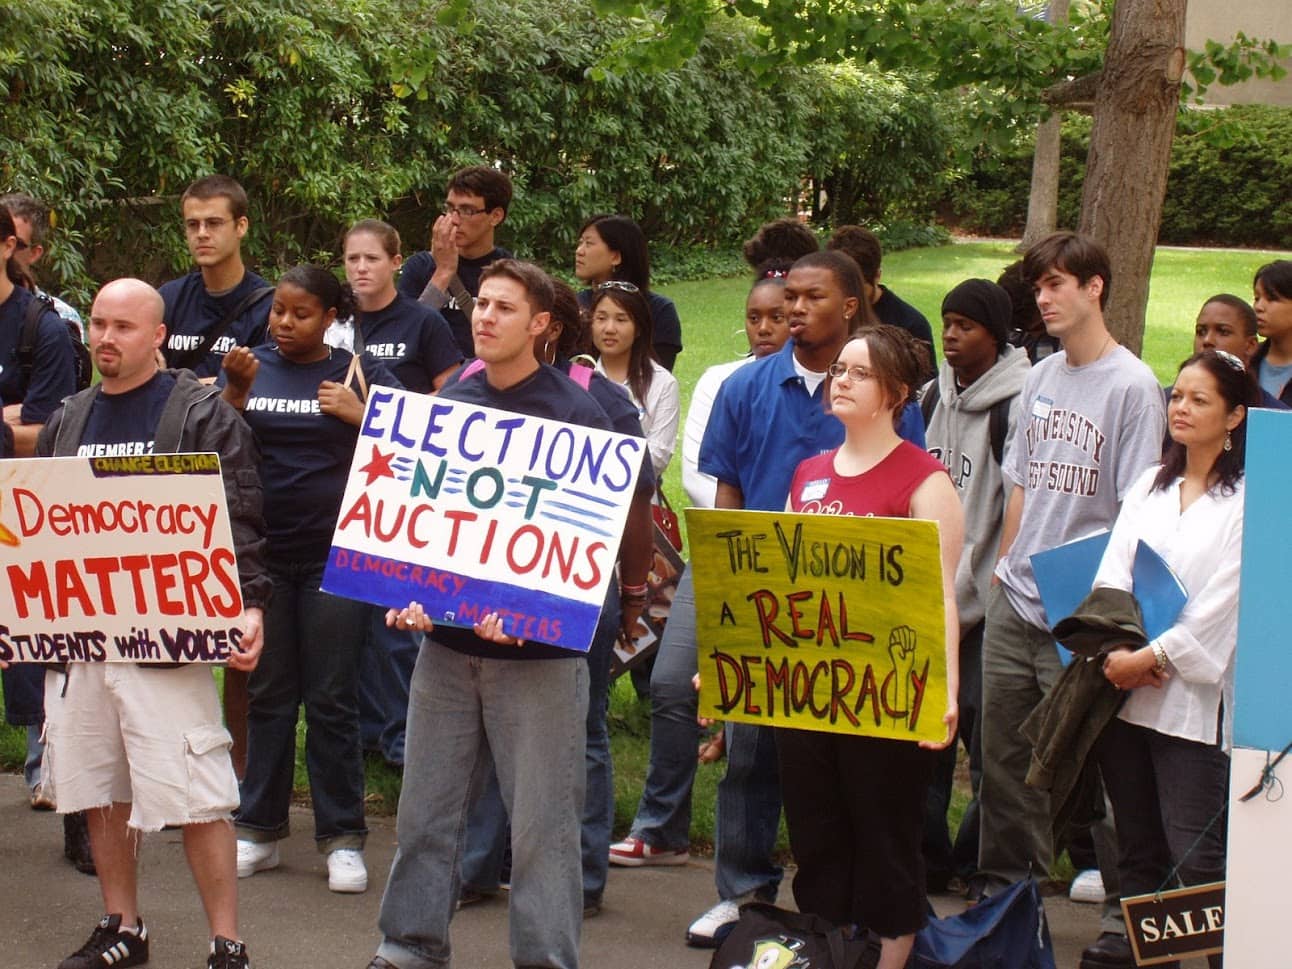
(1130, 150)
(1043, 199)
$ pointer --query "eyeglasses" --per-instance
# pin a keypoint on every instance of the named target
(213, 224)
(462, 211)
(620, 284)
(855, 374)
(20, 244)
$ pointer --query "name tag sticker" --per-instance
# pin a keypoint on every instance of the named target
(1041, 407)
(814, 490)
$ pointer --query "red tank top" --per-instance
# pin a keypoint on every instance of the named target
(884, 491)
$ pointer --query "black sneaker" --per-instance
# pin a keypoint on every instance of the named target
(227, 954)
(76, 842)
(109, 946)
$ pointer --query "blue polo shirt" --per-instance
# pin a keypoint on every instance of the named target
(764, 423)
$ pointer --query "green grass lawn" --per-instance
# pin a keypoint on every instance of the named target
(712, 313)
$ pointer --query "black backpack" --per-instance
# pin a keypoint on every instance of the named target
(38, 306)
(998, 419)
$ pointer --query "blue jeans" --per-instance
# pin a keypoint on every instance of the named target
(487, 831)
(530, 715)
(663, 817)
(749, 797)
(385, 667)
(311, 656)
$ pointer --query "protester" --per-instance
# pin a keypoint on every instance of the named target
(621, 332)
(1028, 331)
(864, 247)
(220, 304)
(781, 240)
(1164, 757)
(1272, 301)
(462, 244)
(1093, 422)
(139, 749)
(488, 839)
(482, 690)
(612, 247)
(855, 838)
(33, 224)
(971, 409)
(415, 343)
(296, 395)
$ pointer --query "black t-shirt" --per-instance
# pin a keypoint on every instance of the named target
(419, 269)
(666, 327)
(413, 340)
(304, 453)
(547, 393)
(53, 371)
(191, 312)
(125, 424)
(897, 312)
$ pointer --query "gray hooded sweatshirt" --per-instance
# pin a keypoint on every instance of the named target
(959, 435)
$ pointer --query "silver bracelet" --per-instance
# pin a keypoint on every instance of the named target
(1159, 657)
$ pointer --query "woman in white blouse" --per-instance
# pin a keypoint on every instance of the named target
(1164, 758)
(622, 333)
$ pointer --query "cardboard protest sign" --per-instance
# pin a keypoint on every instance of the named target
(117, 559)
(470, 510)
(820, 622)
(661, 586)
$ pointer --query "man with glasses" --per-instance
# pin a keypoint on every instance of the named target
(32, 223)
(447, 278)
(220, 304)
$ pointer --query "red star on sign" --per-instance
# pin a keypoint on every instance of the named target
(378, 466)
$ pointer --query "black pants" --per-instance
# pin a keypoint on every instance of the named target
(1168, 796)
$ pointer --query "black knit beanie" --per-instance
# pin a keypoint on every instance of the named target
(986, 304)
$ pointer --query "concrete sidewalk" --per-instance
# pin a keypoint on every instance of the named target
(291, 921)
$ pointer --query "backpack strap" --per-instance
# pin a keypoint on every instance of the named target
(37, 306)
(998, 425)
(581, 375)
(188, 358)
(474, 366)
(929, 400)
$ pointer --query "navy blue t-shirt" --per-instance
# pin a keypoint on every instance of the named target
(125, 424)
(419, 269)
(413, 340)
(191, 312)
(895, 311)
(53, 371)
(547, 393)
(304, 454)
(665, 326)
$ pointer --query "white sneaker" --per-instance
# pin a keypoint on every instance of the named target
(1087, 886)
(254, 856)
(708, 931)
(346, 871)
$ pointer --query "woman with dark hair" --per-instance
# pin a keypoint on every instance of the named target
(296, 394)
(621, 333)
(1164, 757)
(858, 842)
(612, 247)
(1272, 301)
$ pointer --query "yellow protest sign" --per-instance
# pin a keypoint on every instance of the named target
(820, 622)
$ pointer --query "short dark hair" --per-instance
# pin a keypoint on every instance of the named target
(567, 311)
(862, 245)
(537, 284)
(22, 206)
(1237, 386)
(1069, 252)
(786, 238)
(11, 267)
(218, 186)
(624, 236)
(323, 285)
(842, 266)
(489, 183)
(1026, 315)
(1239, 305)
(1275, 278)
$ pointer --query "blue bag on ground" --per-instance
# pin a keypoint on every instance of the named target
(1006, 931)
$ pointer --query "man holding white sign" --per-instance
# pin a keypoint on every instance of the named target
(141, 748)
(472, 690)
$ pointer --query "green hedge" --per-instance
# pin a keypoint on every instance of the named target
(1230, 181)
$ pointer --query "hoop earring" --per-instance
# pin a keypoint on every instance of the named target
(1229, 441)
(547, 345)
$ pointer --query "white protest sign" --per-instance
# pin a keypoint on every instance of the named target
(117, 559)
(471, 510)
